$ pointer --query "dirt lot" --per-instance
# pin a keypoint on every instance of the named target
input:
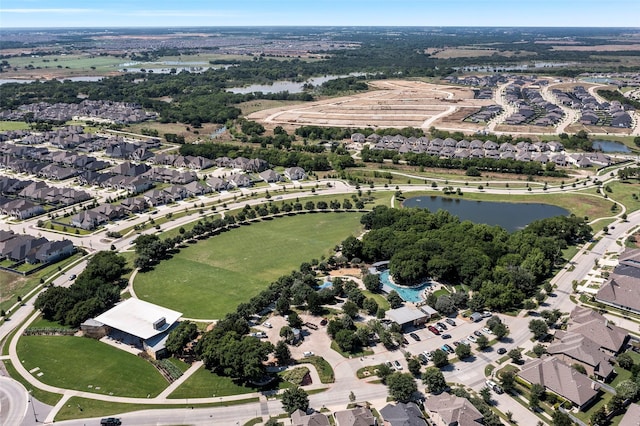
(391, 103)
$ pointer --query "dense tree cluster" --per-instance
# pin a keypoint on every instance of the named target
(94, 291)
(180, 336)
(501, 268)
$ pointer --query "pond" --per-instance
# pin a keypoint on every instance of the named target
(610, 146)
(510, 216)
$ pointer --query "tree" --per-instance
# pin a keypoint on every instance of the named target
(372, 282)
(625, 361)
(539, 350)
(294, 320)
(482, 342)
(434, 380)
(401, 386)
(529, 304)
(537, 392)
(178, 338)
(282, 352)
(515, 355)
(352, 396)
(295, 399)
(350, 309)
(282, 305)
(445, 305)
(346, 340)
(599, 417)
(370, 305)
(463, 351)
(627, 389)
(394, 299)
(539, 328)
(440, 358)
(485, 394)
(615, 403)
(508, 380)
(500, 331)
(414, 366)
(561, 419)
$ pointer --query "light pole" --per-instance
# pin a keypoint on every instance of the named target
(33, 407)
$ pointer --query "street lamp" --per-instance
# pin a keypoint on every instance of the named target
(33, 407)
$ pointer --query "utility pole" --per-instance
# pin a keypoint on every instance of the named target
(33, 407)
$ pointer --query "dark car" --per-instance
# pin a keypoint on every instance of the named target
(415, 336)
(110, 421)
(447, 348)
(477, 333)
(502, 351)
(434, 330)
(323, 321)
(446, 336)
(441, 325)
(451, 322)
(423, 359)
(72, 277)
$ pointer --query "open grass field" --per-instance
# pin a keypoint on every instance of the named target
(622, 192)
(13, 125)
(205, 384)
(580, 204)
(209, 279)
(88, 365)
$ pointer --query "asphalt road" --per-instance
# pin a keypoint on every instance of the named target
(14, 401)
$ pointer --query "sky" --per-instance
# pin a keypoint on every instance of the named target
(189, 13)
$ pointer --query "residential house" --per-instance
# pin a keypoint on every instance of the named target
(402, 414)
(270, 176)
(450, 410)
(22, 209)
(573, 348)
(611, 338)
(217, 184)
(88, 220)
(631, 417)
(134, 204)
(295, 173)
(560, 379)
(621, 290)
(240, 180)
(52, 251)
(300, 418)
(193, 189)
(358, 416)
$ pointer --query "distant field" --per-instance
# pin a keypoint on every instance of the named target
(88, 365)
(205, 384)
(210, 278)
(13, 125)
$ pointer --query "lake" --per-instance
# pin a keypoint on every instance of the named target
(511, 216)
(610, 146)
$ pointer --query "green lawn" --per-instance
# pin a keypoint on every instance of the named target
(13, 125)
(205, 384)
(77, 363)
(621, 192)
(210, 278)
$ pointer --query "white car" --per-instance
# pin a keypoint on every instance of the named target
(472, 339)
(267, 324)
(307, 354)
(487, 330)
(397, 365)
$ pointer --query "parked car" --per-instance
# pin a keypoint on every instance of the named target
(267, 324)
(487, 330)
(487, 314)
(451, 322)
(502, 351)
(388, 364)
(441, 326)
(111, 421)
(397, 365)
(423, 359)
(472, 339)
(72, 277)
(477, 333)
(323, 321)
(415, 336)
(446, 336)
(447, 348)
(434, 330)
(494, 387)
(427, 354)
(311, 325)
(307, 354)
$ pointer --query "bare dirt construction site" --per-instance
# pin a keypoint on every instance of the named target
(389, 103)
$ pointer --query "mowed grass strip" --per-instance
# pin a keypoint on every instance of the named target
(211, 277)
(205, 384)
(77, 362)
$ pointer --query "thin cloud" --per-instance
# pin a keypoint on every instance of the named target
(181, 13)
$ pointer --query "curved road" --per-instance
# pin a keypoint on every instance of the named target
(14, 401)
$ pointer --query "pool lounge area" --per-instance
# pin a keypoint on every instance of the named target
(408, 294)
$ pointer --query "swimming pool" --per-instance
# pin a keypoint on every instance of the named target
(326, 284)
(408, 294)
